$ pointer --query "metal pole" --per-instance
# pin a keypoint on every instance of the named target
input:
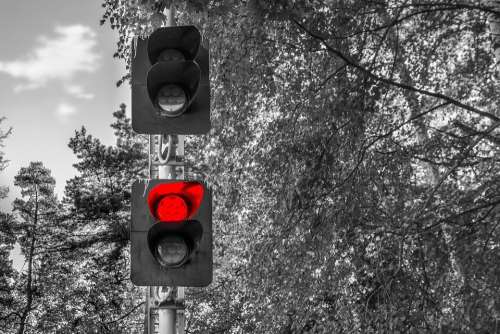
(167, 320)
(167, 317)
(170, 311)
(170, 14)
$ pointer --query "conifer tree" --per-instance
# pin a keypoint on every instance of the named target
(35, 213)
(7, 240)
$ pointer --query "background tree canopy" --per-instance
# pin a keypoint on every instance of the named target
(355, 170)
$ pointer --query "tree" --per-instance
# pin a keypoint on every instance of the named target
(36, 211)
(354, 159)
(94, 252)
(7, 240)
(77, 278)
(3, 162)
(7, 273)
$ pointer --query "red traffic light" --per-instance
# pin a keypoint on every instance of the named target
(176, 201)
(171, 233)
(171, 208)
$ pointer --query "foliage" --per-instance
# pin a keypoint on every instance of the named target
(3, 162)
(354, 159)
(34, 228)
(76, 278)
(354, 164)
(95, 249)
(7, 274)
(7, 240)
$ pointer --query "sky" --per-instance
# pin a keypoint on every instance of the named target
(57, 74)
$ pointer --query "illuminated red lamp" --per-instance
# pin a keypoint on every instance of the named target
(175, 202)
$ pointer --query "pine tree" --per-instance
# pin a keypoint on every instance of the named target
(7, 240)
(35, 214)
(94, 254)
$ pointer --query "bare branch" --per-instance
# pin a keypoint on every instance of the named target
(126, 314)
(391, 82)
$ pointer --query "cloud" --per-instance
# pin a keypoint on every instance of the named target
(78, 92)
(64, 109)
(69, 52)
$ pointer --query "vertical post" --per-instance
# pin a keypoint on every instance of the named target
(181, 323)
(148, 321)
(167, 317)
(167, 171)
(167, 322)
(170, 15)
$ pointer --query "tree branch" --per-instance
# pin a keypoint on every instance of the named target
(391, 82)
(126, 314)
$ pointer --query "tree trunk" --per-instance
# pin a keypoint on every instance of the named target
(29, 283)
(494, 21)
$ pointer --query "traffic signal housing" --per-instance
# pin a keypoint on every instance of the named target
(170, 83)
(171, 233)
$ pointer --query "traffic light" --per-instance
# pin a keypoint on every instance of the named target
(171, 233)
(170, 83)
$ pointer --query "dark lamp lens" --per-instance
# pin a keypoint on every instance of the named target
(171, 99)
(172, 208)
(172, 250)
(171, 55)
